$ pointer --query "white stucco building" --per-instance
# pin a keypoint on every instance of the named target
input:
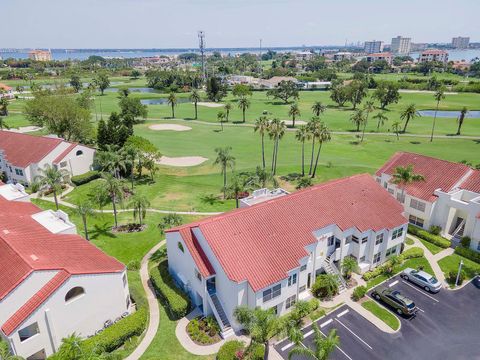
(400, 45)
(269, 254)
(449, 197)
(22, 155)
(53, 282)
(433, 55)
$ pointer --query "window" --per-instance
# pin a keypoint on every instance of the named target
(292, 279)
(415, 220)
(272, 293)
(302, 288)
(28, 332)
(198, 275)
(397, 233)
(331, 240)
(364, 239)
(74, 293)
(79, 153)
(385, 185)
(180, 247)
(391, 191)
(348, 240)
(19, 172)
(39, 355)
(376, 257)
(63, 164)
(362, 259)
(124, 279)
(391, 251)
(303, 267)
(419, 205)
(354, 239)
(274, 309)
(400, 198)
(478, 246)
(127, 302)
(379, 180)
(379, 239)
(290, 301)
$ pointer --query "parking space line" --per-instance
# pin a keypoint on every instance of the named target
(343, 313)
(338, 347)
(325, 323)
(288, 346)
(420, 309)
(393, 283)
(308, 334)
(420, 291)
(358, 337)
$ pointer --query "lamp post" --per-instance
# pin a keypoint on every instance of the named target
(459, 270)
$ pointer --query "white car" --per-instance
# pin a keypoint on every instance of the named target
(422, 278)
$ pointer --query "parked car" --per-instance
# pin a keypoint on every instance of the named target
(395, 299)
(422, 278)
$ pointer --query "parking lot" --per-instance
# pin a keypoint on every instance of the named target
(447, 326)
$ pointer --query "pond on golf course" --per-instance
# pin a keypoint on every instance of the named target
(449, 113)
(163, 101)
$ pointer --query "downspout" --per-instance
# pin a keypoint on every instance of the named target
(51, 330)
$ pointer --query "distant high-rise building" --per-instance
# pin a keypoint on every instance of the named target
(374, 46)
(460, 42)
(400, 45)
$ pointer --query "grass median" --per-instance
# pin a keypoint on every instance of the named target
(383, 314)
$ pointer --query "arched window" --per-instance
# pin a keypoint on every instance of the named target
(79, 153)
(74, 293)
(180, 246)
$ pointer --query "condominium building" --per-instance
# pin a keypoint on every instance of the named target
(374, 46)
(40, 55)
(386, 56)
(433, 55)
(400, 45)
(269, 252)
(460, 42)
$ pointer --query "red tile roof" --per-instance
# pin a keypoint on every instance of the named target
(64, 153)
(260, 244)
(27, 246)
(22, 149)
(439, 174)
(472, 183)
(434, 52)
(34, 302)
(5, 87)
(197, 252)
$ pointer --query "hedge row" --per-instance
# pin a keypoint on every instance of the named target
(85, 178)
(468, 253)
(115, 336)
(176, 301)
(411, 253)
(425, 235)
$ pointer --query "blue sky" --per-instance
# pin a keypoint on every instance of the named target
(231, 23)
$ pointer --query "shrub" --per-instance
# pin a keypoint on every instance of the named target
(133, 265)
(425, 235)
(435, 230)
(411, 253)
(256, 351)
(85, 178)
(325, 286)
(359, 292)
(452, 277)
(176, 301)
(115, 336)
(204, 331)
(465, 241)
(468, 253)
(229, 350)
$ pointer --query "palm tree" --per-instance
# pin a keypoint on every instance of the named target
(5, 352)
(403, 176)
(396, 128)
(367, 108)
(140, 204)
(227, 109)
(221, 117)
(349, 265)
(294, 112)
(261, 125)
(3, 106)
(262, 325)
(70, 348)
(461, 118)
(84, 209)
(313, 127)
(408, 114)
(172, 101)
(323, 345)
(3, 125)
(318, 108)
(243, 104)
(111, 160)
(52, 179)
(114, 187)
(195, 98)
(322, 135)
(276, 130)
(237, 186)
(357, 118)
(130, 154)
(225, 160)
(439, 95)
(381, 118)
(302, 135)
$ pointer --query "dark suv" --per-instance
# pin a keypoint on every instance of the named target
(395, 299)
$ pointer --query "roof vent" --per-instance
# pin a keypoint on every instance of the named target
(34, 257)
(6, 232)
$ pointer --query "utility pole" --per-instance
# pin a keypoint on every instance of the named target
(201, 45)
(459, 270)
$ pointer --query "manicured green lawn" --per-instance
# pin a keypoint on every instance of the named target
(434, 249)
(409, 241)
(383, 314)
(451, 263)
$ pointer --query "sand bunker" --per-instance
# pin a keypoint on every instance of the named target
(182, 160)
(210, 104)
(297, 122)
(173, 127)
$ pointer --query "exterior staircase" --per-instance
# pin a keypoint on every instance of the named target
(458, 232)
(226, 328)
(330, 268)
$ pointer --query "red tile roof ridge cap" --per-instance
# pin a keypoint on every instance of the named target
(265, 203)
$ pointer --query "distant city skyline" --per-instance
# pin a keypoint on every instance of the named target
(230, 23)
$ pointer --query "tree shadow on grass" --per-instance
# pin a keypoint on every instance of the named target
(415, 142)
(102, 230)
(476, 141)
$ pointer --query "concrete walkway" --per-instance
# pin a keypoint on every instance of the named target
(154, 310)
(192, 347)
